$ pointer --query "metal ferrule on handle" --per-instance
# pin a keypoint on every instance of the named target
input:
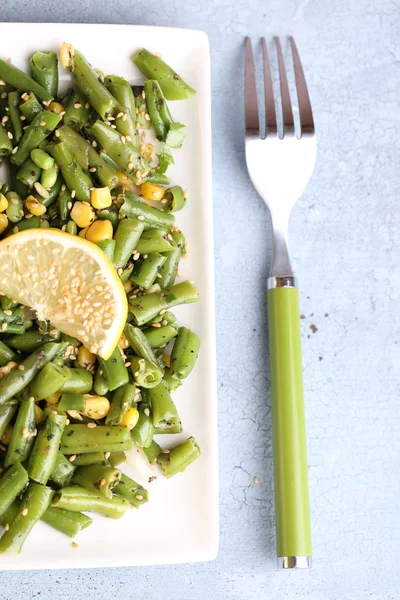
(293, 531)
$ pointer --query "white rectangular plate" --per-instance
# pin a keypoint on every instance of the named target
(180, 523)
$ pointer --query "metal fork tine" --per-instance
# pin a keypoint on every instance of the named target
(287, 113)
(270, 113)
(305, 111)
(251, 109)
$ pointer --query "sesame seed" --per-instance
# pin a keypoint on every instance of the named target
(72, 500)
(4, 327)
(136, 256)
(74, 545)
(94, 144)
(92, 170)
(77, 105)
(123, 139)
(255, 480)
(25, 432)
(147, 412)
(10, 135)
(23, 118)
(42, 123)
(21, 367)
(164, 201)
(156, 325)
(4, 95)
(24, 512)
(130, 165)
(91, 425)
(14, 150)
(124, 117)
(147, 117)
(73, 194)
(119, 115)
(69, 205)
(107, 455)
(141, 218)
(2, 82)
(6, 527)
(102, 482)
(8, 313)
(139, 497)
(166, 451)
(87, 105)
(128, 138)
(143, 94)
(57, 133)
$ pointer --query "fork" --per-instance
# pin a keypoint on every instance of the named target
(280, 165)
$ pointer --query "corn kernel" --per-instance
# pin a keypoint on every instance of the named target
(3, 222)
(54, 398)
(34, 206)
(7, 435)
(123, 179)
(85, 357)
(128, 286)
(130, 418)
(82, 214)
(66, 55)
(123, 342)
(167, 359)
(101, 197)
(56, 107)
(96, 407)
(83, 232)
(38, 414)
(152, 192)
(146, 150)
(100, 231)
(3, 203)
(75, 415)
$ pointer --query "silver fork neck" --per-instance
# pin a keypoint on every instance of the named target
(281, 266)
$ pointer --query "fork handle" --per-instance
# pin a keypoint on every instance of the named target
(292, 510)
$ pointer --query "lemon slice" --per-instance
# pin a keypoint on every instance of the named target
(68, 281)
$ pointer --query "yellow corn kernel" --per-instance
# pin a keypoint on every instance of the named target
(124, 179)
(54, 398)
(146, 150)
(123, 342)
(152, 192)
(83, 232)
(38, 414)
(101, 197)
(56, 107)
(82, 214)
(7, 435)
(128, 286)
(96, 407)
(34, 206)
(3, 222)
(3, 203)
(66, 55)
(100, 231)
(85, 357)
(167, 359)
(130, 418)
(75, 415)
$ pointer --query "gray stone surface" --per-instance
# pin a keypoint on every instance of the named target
(345, 242)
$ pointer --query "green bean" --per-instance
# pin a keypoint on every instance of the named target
(31, 341)
(100, 386)
(17, 380)
(114, 370)
(147, 269)
(42, 125)
(21, 81)
(157, 108)
(20, 190)
(35, 501)
(31, 107)
(116, 458)
(79, 499)
(122, 92)
(6, 355)
(48, 381)
(67, 522)
(8, 515)
(72, 228)
(100, 479)
(154, 240)
(147, 307)
(77, 111)
(165, 415)
(178, 458)
(144, 373)
(185, 352)
(108, 247)
(15, 114)
(126, 273)
(170, 82)
(62, 471)
(25, 224)
(7, 303)
(87, 80)
(49, 177)
(141, 110)
(79, 439)
(152, 452)
(143, 432)
(125, 154)
(74, 176)
(126, 240)
(41, 158)
(169, 269)
(135, 493)
(133, 207)
(79, 382)
(88, 158)
(171, 380)
(22, 436)
(122, 399)
(91, 458)
(44, 70)
(160, 336)
(71, 401)
(29, 173)
(12, 482)
(7, 412)
(109, 215)
(45, 449)
(14, 322)
(5, 143)
(165, 159)
(141, 347)
(5, 188)
(175, 199)
(158, 178)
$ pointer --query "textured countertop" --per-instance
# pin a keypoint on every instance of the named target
(345, 244)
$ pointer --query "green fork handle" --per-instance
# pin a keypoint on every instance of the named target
(292, 509)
